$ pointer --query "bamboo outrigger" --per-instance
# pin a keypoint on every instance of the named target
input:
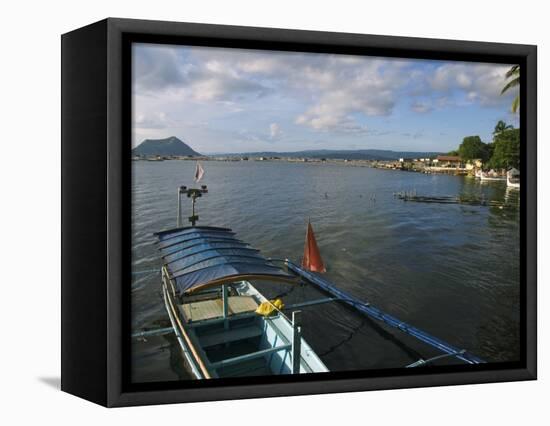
(226, 327)
(377, 314)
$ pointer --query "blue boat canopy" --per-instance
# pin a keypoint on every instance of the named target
(203, 256)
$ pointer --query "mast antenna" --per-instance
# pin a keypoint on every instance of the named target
(192, 193)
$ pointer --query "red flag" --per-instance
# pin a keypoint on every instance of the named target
(312, 258)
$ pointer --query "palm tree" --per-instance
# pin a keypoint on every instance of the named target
(513, 74)
(501, 127)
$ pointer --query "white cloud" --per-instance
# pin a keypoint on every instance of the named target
(421, 107)
(274, 131)
(336, 108)
(479, 83)
(156, 67)
(157, 120)
(333, 89)
(345, 90)
(260, 93)
(263, 64)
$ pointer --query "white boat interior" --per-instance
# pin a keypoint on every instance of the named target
(239, 342)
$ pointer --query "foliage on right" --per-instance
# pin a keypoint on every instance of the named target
(502, 153)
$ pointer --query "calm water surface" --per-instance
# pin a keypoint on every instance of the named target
(452, 270)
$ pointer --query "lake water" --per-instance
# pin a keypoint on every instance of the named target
(449, 269)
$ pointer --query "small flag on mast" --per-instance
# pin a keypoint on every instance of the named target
(199, 172)
(312, 257)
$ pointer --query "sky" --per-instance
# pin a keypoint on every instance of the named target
(223, 100)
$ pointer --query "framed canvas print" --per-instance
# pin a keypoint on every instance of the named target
(253, 212)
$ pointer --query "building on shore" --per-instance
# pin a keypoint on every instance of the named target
(448, 161)
(451, 164)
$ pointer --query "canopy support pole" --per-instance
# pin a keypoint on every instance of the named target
(178, 221)
(193, 218)
(225, 301)
(296, 341)
(192, 193)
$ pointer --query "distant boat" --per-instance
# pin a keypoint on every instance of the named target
(491, 176)
(512, 178)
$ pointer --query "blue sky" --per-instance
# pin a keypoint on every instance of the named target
(235, 100)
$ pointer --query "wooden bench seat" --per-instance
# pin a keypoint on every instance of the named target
(213, 308)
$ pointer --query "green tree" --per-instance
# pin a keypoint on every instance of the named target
(490, 151)
(513, 76)
(505, 150)
(473, 148)
(501, 126)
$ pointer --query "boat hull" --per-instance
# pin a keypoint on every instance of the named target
(511, 181)
(492, 179)
(511, 184)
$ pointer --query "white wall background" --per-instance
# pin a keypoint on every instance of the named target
(30, 210)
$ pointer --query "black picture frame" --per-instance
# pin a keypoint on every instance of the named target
(95, 208)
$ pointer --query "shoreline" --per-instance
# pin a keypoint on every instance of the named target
(397, 165)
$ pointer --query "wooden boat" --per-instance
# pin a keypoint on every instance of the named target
(213, 307)
(226, 327)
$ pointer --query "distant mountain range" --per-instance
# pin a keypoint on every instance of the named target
(174, 146)
(162, 147)
(357, 154)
